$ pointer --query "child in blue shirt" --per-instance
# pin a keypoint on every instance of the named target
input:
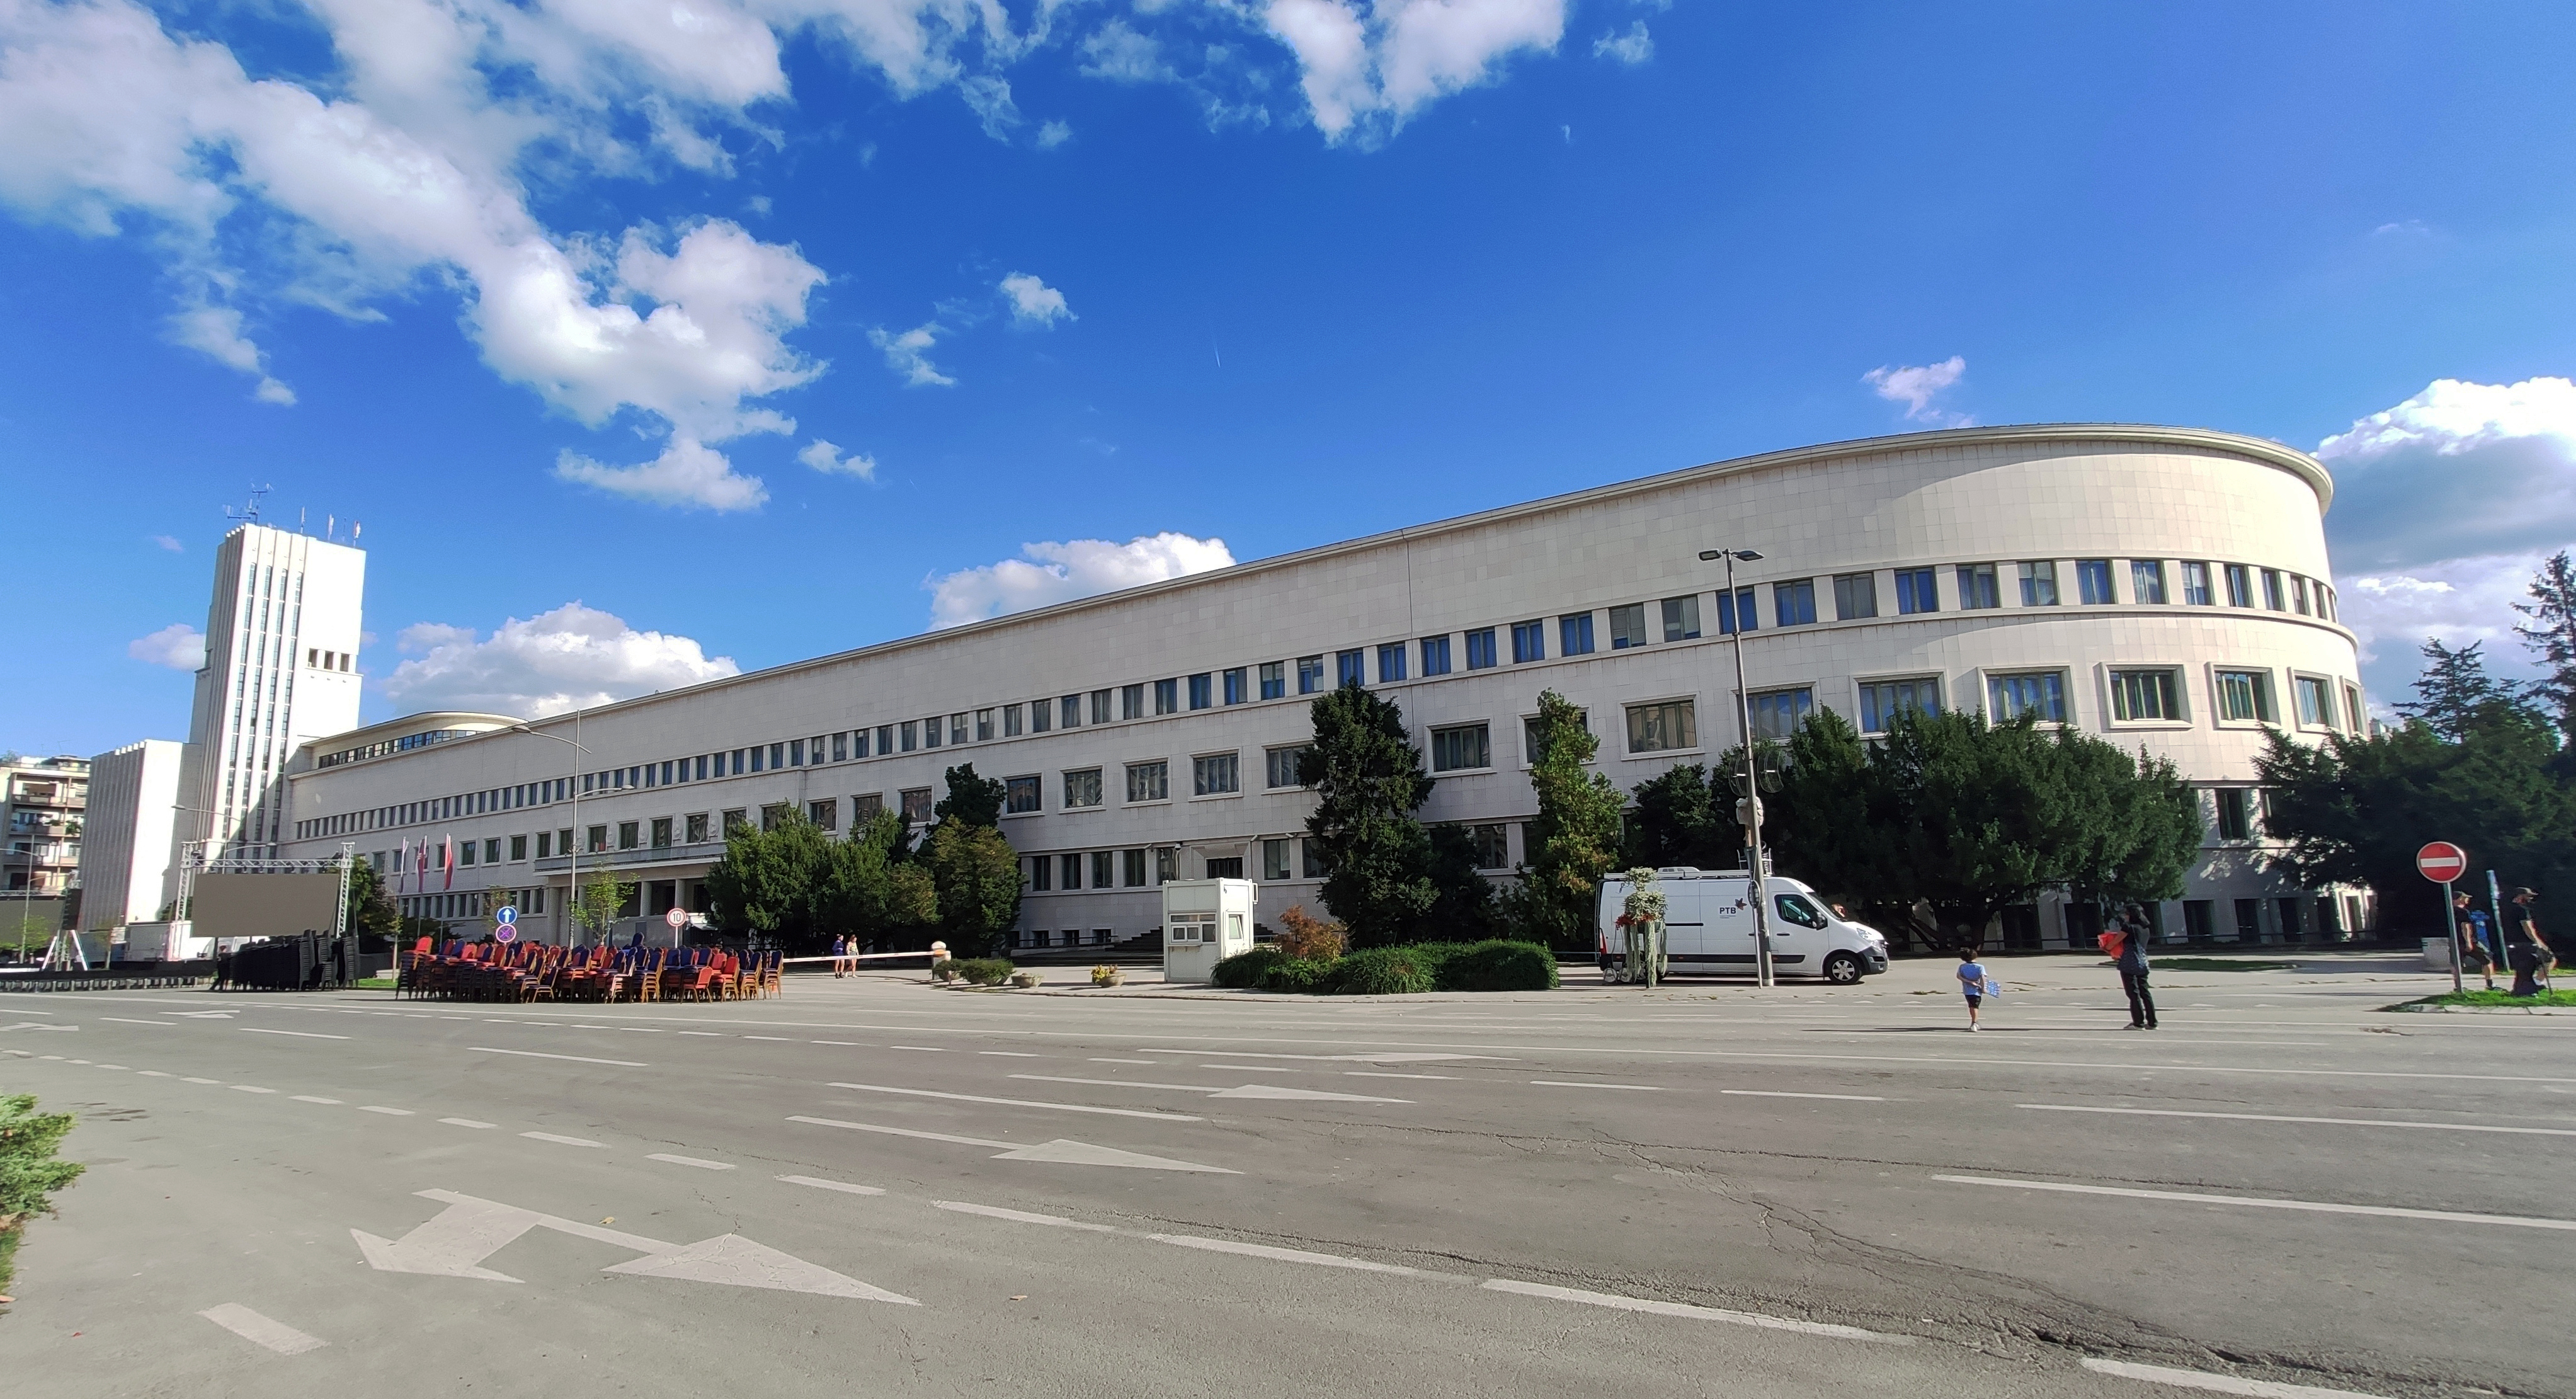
(1972, 982)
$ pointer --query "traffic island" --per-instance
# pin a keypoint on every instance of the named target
(2504, 1001)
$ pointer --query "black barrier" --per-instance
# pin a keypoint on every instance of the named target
(305, 962)
(124, 976)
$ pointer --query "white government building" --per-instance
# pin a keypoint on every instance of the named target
(2164, 588)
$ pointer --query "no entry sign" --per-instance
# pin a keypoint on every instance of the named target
(2441, 862)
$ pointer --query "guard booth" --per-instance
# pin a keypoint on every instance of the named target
(1205, 921)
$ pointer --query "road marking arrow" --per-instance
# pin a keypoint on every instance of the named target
(1064, 1152)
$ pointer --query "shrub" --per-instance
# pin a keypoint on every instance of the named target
(1107, 975)
(1388, 971)
(1242, 971)
(1297, 974)
(28, 1170)
(984, 971)
(1301, 935)
(1498, 966)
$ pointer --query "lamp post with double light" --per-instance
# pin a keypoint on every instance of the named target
(572, 853)
(1751, 807)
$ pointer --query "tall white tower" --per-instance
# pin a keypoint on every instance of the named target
(282, 637)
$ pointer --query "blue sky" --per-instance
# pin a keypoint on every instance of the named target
(560, 303)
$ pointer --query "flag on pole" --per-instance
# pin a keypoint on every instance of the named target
(402, 866)
(447, 860)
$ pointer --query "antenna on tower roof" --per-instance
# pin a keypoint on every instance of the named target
(249, 513)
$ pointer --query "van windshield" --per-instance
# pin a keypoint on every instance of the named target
(1796, 909)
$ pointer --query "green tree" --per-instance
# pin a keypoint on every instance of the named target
(770, 884)
(2454, 688)
(1677, 821)
(2551, 635)
(1369, 782)
(976, 875)
(1575, 838)
(601, 901)
(977, 801)
(371, 911)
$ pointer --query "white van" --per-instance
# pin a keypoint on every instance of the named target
(1708, 929)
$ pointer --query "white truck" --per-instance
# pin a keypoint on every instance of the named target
(1708, 929)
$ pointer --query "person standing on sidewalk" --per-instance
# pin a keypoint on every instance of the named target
(2529, 956)
(2474, 953)
(2131, 959)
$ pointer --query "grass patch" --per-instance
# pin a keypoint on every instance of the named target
(2491, 998)
(2219, 964)
(8, 1256)
(29, 1174)
(375, 983)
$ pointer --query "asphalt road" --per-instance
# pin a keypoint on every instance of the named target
(876, 1186)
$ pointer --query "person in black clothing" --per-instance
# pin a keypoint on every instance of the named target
(2132, 962)
(2523, 949)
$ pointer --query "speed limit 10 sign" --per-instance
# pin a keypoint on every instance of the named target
(2441, 862)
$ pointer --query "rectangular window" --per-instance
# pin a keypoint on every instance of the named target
(840, 753)
(2146, 694)
(1235, 690)
(1131, 701)
(1390, 663)
(1041, 873)
(1203, 691)
(1977, 588)
(1279, 766)
(2245, 697)
(1455, 749)
(697, 830)
(760, 759)
(1167, 696)
(2039, 584)
(1081, 788)
(1103, 868)
(1131, 869)
(1310, 674)
(2325, 600)
(866, 807)
(1493, 846)
(1100, 706)
(2040, 694)
(885, 740)
(1011, 721)
(1574, 634)
(2147, 582)
(1529, 642)
(2235, 813)
(1350, 667)
(2272, 590)
(911, 735)
(1738, 610)
(2316, 701)
(1167, 865)
(518, 848)
(1216, 774)
(1274, 858)
(1916, 591)
(545, 844)
(983, 726)
(2240, 585)
(598, 838)
(2093, 582)
(1435, 656)
(1274, 680)
(933, 731)
(1071, 707)
(1776, 714)
(662, 831)
(1310, 861)
(734, 820)
(774, 815)
(1480, 649)
(795, 755)
(1681, 618)
(1149, 782)
(1627, 626)
(1020, 795)
(629, 833)
(2352, 708)
(465, 853)
(2195, 584)
(1072, 867)
(1662, 728)
(1855, 595)
(1883, 700)
(1529, 733)
(1793, 604)
(917, 806)
(2299, 594)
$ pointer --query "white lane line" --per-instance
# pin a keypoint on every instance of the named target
(121, 1020)
(1125, 1083)
(251, 1088)
(468, 1122)
(1291, 1255)
(2266, 1203)
(841, 1185)
(845, 1044)
(151, 1073)
(709, 1034)
(1836, 1097)
(1254, 1068)
(113, 1066)
(1249, 1090)
(299, 1034)
(2217, 1384)
(1020, 1102)
(561, 1141)
(1123, 1061)
(259, 1330)
(638, 1030)
(1624, 1087)
(1008, 1054)
(2319, 1121)
(1364, 1073)
(904, 1132)
(184, 1080)
(923, 1048)
(1684, 1309)
(574, 1058)
(309, 1098)
(389, 1112)
(1022, 1217)
(590, 1027)
(780, 1039)
(689, 1161)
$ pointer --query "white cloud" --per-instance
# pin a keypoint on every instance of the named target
(1120, 54)
(2461, 470)
(178, 646)
(571, 658)
(1050, 573)
(1033, 302)
(1916, 385)
(215, 331)
(2459, 601)
(170, 543)
(1363, 76)
(687, 473)
(908, 353)
(826, 458)
(1054, 134)
(1631, 46)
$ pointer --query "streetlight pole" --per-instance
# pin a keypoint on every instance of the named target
(572, 895)
(1752, 786)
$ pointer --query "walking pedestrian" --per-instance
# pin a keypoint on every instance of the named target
(840, 954)
(2523, 949)
(2474, 953)
(1972, 982)
(2131, 959)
